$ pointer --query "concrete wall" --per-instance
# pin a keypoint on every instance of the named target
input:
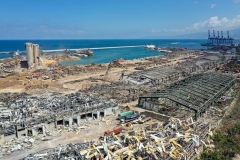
(108, 111)
(20, 133)
(77, 119)
(96, 113)
(68, 121)
(32, 131)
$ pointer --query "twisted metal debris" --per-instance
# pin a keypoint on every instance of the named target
(174, 139)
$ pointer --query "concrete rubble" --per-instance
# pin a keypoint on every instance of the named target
(173, 139)
(176, 88)
(25, 120)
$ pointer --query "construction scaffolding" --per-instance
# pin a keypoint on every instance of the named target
(196, 93)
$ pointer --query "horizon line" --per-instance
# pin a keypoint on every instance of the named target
(108, 39)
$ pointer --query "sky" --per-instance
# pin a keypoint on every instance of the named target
(114, 19)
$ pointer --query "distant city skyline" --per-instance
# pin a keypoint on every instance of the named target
(115, 19)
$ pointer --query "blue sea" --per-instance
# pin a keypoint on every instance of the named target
(101, 55)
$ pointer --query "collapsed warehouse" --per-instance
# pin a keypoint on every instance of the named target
(121, 91)
(28, 116)
(169, 74)
(131, 86)
(154, 75)
(194, 94)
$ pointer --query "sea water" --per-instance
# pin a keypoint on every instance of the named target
(101, 54)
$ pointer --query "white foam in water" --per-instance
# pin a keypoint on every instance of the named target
(61, 50)
(4, 52)
(58, 50)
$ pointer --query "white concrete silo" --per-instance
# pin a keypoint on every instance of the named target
(30, 56)
(36, 53)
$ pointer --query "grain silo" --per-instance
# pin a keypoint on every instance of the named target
(36, 53)
(30, 56)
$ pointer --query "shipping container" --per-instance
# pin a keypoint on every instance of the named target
(134, 116)
(124, 114)
(115, 130)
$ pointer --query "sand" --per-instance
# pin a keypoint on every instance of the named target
(20, 83)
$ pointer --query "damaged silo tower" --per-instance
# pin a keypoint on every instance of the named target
(30, 57)
(33, 54)
(36, 53)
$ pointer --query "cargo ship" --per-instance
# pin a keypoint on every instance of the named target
(85, 53)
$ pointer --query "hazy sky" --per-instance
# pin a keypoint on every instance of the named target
(89, 19)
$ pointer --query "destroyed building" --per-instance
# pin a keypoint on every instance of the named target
(33, 55)
(158, 76)
(31, 115)
(193, 94)
(174, 139)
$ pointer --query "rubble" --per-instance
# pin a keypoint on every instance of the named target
(24, 116)
(174, 139)
(190, 96)
(28, 120)
(232, 66)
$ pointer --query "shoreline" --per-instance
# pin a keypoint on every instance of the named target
(20, 82)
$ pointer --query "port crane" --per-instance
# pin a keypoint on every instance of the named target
(218, 40)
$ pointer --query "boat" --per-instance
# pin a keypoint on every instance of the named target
(85, 53)
(150, 47)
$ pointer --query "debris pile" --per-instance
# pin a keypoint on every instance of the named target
(174, 139)
(121, 91)
(23, 114)
(232, 66)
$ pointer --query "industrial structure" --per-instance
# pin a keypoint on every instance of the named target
(194, 94)
(219, 42)
(33, 55)
(169, 74)
(171, 95)
(26, 115)
(131, 85)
